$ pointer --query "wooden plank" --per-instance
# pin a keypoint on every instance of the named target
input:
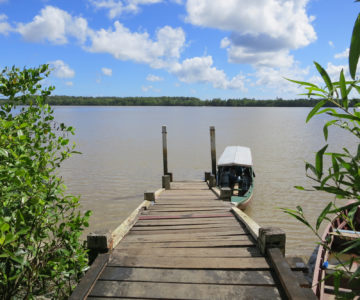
(288, 280)
(194, 204)
(213, 243)
(87, 282)
(102, 242)
(190, 252)
(221, 263)
(169, 222)
(183, 237)
(203, 227)
(249, 223)
(182, 291)
(202, 232)
(259, 278)
(183, 209)
(186, 213)
(155, 217)
(125, 226)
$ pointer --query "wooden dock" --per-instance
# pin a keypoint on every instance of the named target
(185, 243)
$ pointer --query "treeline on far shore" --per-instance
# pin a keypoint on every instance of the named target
(179, 101)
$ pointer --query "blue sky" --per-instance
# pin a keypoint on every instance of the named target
(202, 48)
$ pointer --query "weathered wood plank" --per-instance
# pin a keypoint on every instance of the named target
(186, 221)
(186, 213)
(259, 278)
(205, 232)
(184, 237)
(191, 252)
(210, 244)
(182, 291)
(186, 209)
(90, 277)
(184, 216)
(288, 280)
(250, 224)
(203, 227)
(221, 263)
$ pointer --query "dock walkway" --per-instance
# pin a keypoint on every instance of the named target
(188, 244)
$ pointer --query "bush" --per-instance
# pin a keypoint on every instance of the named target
(342, 178)
(40, 226)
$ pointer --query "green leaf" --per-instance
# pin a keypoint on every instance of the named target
(325, 129)
(354, 48)
(342, 83)
(3, 152)
(302, 83)
(315, 110)
(322, 216)
(319, 161)
(299, 187)
(325, 77)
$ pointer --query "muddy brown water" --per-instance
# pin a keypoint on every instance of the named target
(122, 158)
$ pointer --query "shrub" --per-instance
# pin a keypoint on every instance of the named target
(40, 226)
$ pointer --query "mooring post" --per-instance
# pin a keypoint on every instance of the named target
(165, 160)
(166, 182)
(213, 150)
(271, 237)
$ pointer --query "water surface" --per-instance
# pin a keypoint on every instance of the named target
(122, 158)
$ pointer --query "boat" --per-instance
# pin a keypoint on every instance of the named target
(335, 240)
(235, 171)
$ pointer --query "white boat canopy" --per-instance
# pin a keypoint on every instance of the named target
(235, 156)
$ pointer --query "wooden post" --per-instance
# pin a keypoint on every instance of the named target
(271, 237)
(166, 182)
(212, 181)
(207, 176)
(225, 193)
(165, 160)
(164, 144)
(213, 150)
(149, 196)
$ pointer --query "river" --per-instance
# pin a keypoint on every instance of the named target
(122, 157)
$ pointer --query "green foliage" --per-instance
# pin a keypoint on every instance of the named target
(181, 101)
(342, 178)
(40, 226)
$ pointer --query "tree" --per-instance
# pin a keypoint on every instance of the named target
(40, 226)
(342, 178)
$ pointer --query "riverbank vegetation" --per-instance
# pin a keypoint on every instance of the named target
(182, 101)
(40, 225)
(342, 178)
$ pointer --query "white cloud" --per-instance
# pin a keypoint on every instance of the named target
(153, 78)
(279, 58)
(61, 69)
(5, 27)
(3, 1)
(126, 45)
(331, 44)
(201, 70)
(106, 71)
(54, 25)
(259, 28)
(69, 83)
(344, 54)
(274, 79)
(149, 88)
(118, 7)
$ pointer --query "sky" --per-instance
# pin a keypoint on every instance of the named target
(194, 48)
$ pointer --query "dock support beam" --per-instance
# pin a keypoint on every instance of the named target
(165, 159)
(207, 176)
(213, 150)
